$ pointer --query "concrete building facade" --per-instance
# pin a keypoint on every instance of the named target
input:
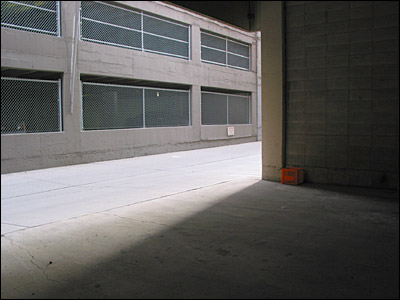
(330, 86)
(74, 61)
(328, 82)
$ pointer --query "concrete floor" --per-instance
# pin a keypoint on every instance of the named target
(195, 224)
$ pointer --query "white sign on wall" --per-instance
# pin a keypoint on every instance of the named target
(231, 131)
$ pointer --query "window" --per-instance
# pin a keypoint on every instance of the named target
(166, 108)
(224, 51)
(30, 106)
(224, 109)
(107, 24)
(107, 106)
(35, 16)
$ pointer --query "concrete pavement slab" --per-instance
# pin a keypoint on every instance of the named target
(243, 238)
(39, 197)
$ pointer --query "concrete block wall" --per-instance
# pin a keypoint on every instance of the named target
(342, 91)
(35, 51)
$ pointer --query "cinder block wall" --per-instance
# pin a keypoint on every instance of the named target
(342, 91)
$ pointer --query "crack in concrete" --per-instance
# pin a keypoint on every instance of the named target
(31, 260)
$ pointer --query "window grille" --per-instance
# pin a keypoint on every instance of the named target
(238, 110)
(111, 107)
(107, 24)
(224, 51)
(30, 106)
(225, 109)
(35, 16)
(214, 109)
(107, 106)
(166, 108)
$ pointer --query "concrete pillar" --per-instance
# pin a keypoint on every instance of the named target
(270, 24)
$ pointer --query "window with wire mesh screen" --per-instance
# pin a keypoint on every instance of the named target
(34, 16)
(108, 24)
(30, 106)
(107, 106)
(111, 106)
(225, 109)
(224, 51)
(167, 108)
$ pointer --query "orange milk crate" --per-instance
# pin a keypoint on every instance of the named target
(292, 175)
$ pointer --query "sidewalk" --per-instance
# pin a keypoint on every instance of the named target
(39, 197)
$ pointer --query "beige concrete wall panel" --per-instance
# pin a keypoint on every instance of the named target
(16, 145)
(115, 139)
(27, 50)
(218, 132)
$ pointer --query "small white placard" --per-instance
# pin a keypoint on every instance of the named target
(231, 131)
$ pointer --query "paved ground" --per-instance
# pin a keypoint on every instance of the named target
(34, 198)
(196, 224)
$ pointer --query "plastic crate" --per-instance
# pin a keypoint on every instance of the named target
(292, 175)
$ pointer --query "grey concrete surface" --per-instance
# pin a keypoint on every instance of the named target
(197, 224)
(28, 51)
(44, 196)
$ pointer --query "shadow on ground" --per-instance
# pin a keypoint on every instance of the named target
(266, 240)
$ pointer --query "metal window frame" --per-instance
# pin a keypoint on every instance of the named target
(164, 37)
(31, 29)
(201, 111)
(144, 108)
(239, 43)
(190, 109)
(249, 106)
(223, 37)
(111, 44)
(60, 117)
(142, 14)
(110, 24)
(227, 39)
(210, 61)
(134, 86)
(227, 107)
(30, 79)
(59, 100)
(165, 20)
(58, 7)
(81, 92)
(122, 8)
(143, 88)
(33, 6)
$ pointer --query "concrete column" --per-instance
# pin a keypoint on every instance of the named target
(71, 105)
(196, 111)
(196, 44)
(272, 88)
